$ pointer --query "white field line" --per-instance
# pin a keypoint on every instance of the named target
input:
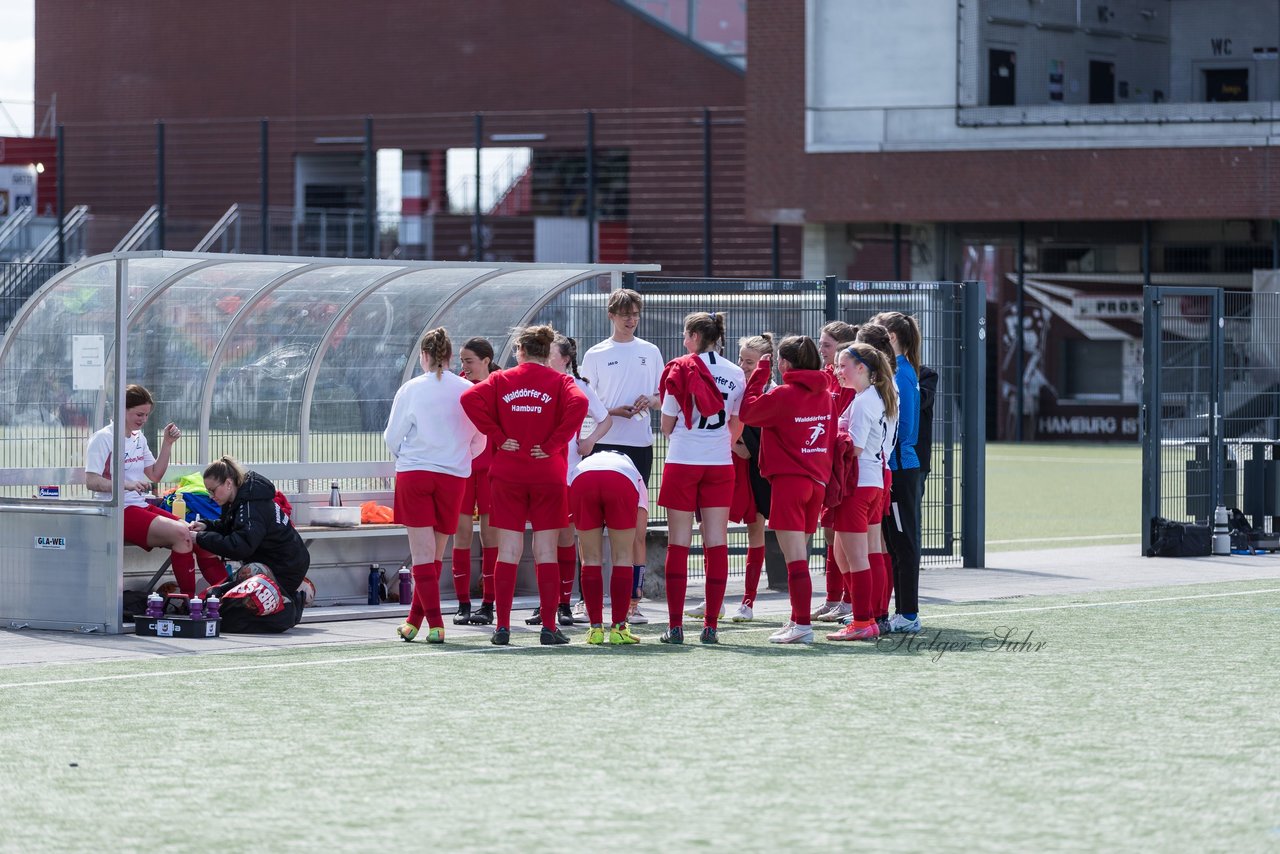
(1074, 460)
(1061, 539)
(279, 665)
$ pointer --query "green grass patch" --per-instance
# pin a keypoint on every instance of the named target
(1135, 721)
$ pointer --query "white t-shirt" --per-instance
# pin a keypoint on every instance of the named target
(707, 443)
(620, 373)
(596, 412)
(137, 458)
(868, 426)
(427, 429)
(620, 463)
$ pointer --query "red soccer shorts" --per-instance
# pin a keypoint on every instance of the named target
(429, 499)
(544, 505)
(858, 510)
(796, 503)
(477, 497)
(690, 488)
(603, 499)
(137, 521)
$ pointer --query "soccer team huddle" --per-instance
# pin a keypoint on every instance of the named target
(794, 435)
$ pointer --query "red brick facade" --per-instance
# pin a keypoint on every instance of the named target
(784, 184)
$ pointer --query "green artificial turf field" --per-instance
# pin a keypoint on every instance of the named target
(1134, 718)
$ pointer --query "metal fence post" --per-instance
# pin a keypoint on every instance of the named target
(591, 187)
(706, 192)
(477, 220)
(1149, 415)
(160, 237)
(832, 298)
(264, 188)
(61, 196)
(973, 476)
(1217, 473)
(1020, 344)
(370, 191)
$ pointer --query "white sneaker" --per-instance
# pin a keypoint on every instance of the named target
(635, 618)
(741, 614)
(700, 610)
(795, 634)
(836, 614)
(899, 623)
(822, 610)
(786, 627)
(580, 613)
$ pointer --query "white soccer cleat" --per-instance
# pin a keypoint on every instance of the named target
(580, 613)
(635, 618)
(787, 626)
(700, 610)
(899, 623)
(741, 614)
(794, 634)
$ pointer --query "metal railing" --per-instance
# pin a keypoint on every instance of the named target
(142, 232)
(225, 234)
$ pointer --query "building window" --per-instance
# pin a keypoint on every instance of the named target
(1226, 84)
(1092, 370)
(1246, 259)
(1102, 82)
(1188, 259)
(1002, 78)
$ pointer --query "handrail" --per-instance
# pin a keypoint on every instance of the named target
(219, 230)
(72, 223)
(14, 224)
(140, 232)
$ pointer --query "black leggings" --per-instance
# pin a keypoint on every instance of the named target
(902, 534)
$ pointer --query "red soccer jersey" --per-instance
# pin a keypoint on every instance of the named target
(797, 420)
(535, 405)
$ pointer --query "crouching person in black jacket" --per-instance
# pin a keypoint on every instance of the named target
(256, 530)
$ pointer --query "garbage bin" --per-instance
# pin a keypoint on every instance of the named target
(775, 565)
(1198, 500)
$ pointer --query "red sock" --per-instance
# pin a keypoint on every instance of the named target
(755, 563)
(211, 566)
(504, 584)
(862, 595)
(567, 558)
(488, 560)
(619, 592)
(835, 584)
(676, 572)
(848, 579)
(593, 593)
(717, 573)
(184, 571)
(426, 596)
(886, 563)
(548, 592)
(462, 575)
(877, 583)
(800, 589)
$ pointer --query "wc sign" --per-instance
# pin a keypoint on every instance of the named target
(51, 543)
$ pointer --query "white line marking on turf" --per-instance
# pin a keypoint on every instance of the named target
(1060, 539)
(925, 617)
(277, 665)
(1076, 460)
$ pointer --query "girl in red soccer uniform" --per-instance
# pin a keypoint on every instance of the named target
(701, 395)
(433, 443)
(605, 490)
(476, 358)
(751, 493)
(835, 336)
(877, 336)
(530, 413)
(869, 419)
(795, 455)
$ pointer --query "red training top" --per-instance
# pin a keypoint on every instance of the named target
(535, 405)
(841, 397)
(798, 422)
(480, 464)
(689, 379)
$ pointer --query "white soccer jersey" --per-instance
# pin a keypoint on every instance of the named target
(596, 412)
(137, 458)
(616, 462)
(868, 426)
(620, 373)
(707, 442)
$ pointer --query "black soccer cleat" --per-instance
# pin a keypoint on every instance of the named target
(482, 616)
(501, 637)
(673, 635)
(463, 617)
(553, 637)
(709, 635)
(564, 615)
(534, 619)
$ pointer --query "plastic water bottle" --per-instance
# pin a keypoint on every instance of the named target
(406, 585)
(197, 608)
(335, 497)
(375, 584)
(155, 606)
(211, 607)
(180, 507)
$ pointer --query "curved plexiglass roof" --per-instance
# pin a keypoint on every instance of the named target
(272, 359)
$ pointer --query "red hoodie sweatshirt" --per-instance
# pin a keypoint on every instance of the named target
(535, 405)
(798, 422)
(689, 379)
